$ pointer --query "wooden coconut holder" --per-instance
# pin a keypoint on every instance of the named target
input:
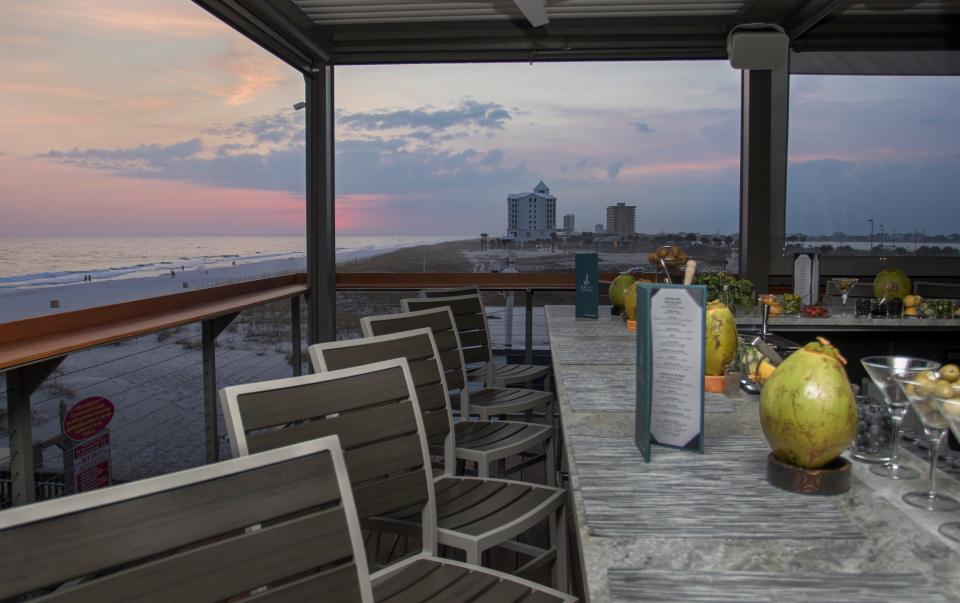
(832, 478)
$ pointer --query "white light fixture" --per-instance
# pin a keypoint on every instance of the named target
(757, 46)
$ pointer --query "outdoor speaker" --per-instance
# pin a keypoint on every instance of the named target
(757, 48)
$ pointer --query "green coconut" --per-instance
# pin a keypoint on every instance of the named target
(630, 302)
(618, 288)
(891, 283)
(721, 338)
(807, 410)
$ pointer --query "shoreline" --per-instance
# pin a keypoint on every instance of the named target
(17, 304)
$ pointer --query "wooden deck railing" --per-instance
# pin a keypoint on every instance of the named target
(30, 349)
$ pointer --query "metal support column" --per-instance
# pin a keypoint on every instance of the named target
(21, 383)
(209, 329)
(763, 172)
(321, 246)
(528, 328)
(296, 358)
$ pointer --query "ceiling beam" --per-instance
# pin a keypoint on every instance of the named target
(534, 11)
(809, 15)
(278, 26)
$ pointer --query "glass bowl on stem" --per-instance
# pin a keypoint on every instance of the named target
(882, 370)
(923, 389)
(844, 285)
(950, 409)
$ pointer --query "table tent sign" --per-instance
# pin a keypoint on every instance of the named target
(670, 339)
(587, 274)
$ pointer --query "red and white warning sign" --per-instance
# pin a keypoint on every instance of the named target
(86, 423)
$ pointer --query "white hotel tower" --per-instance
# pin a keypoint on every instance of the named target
(532, 216)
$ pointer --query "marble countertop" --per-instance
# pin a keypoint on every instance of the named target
(874, 546)
(834, 322)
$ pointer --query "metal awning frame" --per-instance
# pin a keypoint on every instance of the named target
(824, 40)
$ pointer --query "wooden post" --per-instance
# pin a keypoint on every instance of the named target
(209, 329)
(296, 358)
(21, 383)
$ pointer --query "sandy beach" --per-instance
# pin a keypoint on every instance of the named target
(27, 302)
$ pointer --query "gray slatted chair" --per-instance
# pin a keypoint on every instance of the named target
(450, 292)
(525, 508)
(278, 526)
(471, 318)
(481, 441)
(491, 440)
(486, 402)
(374, 410)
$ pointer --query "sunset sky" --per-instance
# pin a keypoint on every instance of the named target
(151, 117)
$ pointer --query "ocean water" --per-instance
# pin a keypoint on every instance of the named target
(27, 262)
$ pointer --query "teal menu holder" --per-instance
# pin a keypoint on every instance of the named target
(671, 323)
(587, 274)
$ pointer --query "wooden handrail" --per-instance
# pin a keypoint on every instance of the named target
(33, 339)
(541, 281)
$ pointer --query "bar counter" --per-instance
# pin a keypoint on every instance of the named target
(709, 527)
(834, 322)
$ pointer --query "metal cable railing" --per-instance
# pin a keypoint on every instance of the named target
(156, 381)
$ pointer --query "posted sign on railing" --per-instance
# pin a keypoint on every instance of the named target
(86, 424)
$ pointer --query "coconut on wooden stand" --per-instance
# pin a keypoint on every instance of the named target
(809, 416)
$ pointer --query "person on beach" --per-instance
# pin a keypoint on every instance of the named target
(173, 273)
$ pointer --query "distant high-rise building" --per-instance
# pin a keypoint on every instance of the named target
(622, 219)
(568, 223)
(599, 229)
(532, 216)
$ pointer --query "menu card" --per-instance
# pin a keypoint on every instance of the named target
(587, 273)
(670, 340)
(806, 277)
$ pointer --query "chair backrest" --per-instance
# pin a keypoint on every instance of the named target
(455, 292)
(372, 408)
(190, 535)
(470, 318)
(445, 336)
(418, 347)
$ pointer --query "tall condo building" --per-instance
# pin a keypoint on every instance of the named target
(568, 223)
(622, 219)
(532, 216)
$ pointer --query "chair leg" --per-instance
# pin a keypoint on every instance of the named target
(474, 555)
(558, 539)
(483, 468)
(550, 463)
(502, 467)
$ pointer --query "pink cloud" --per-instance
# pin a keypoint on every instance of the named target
(65, 91)
(45, 198)
(876, 154)
(171, 21)
(253, 72)
(677, 167)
